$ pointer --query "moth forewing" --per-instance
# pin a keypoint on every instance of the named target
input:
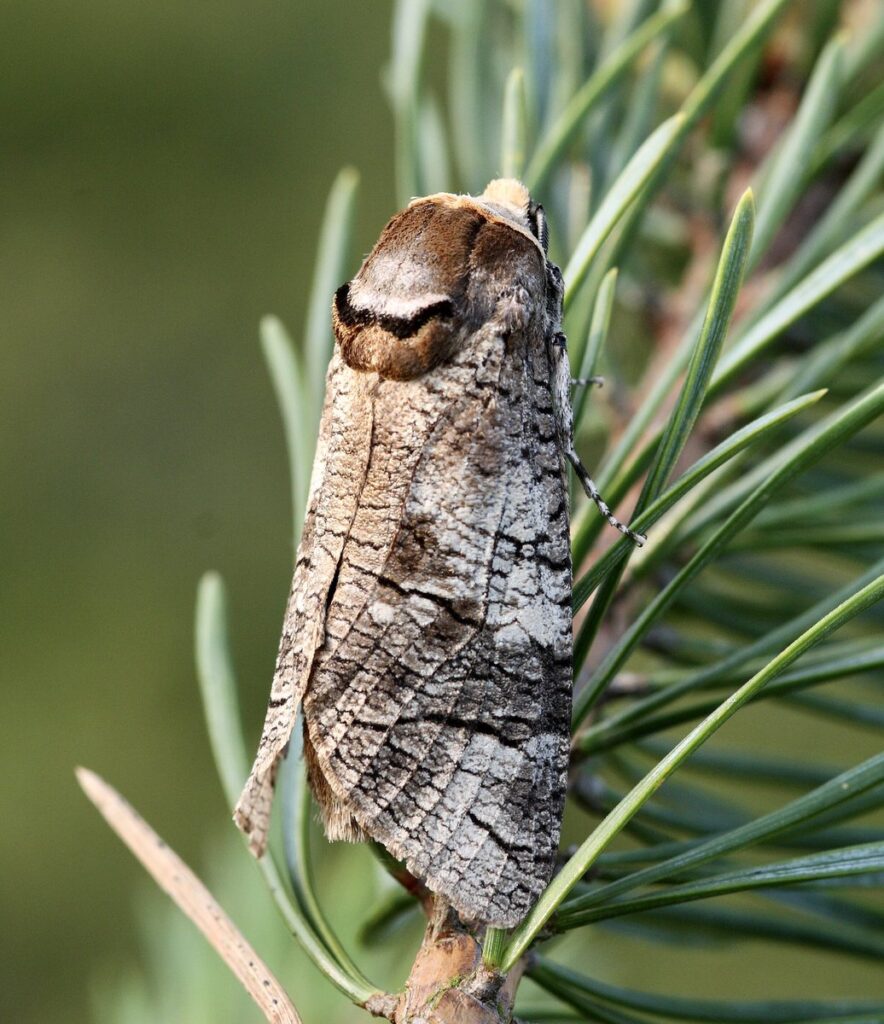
(428, 631)
(330, 509)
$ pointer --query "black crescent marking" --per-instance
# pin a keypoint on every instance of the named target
(399, 326)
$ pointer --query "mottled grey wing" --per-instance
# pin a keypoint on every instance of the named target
(438, 707)
(338, 470)
(399, 294)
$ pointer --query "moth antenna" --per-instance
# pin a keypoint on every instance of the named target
(593, 492)
(583, 382)
(561, 384)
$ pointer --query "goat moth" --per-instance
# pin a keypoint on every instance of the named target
(428, 629)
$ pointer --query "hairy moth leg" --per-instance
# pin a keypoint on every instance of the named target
(565, 425)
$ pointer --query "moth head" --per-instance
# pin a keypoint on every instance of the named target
(436, 274)
(507, 192)
(510, 198)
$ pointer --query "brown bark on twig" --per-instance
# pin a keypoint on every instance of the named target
(449, 984)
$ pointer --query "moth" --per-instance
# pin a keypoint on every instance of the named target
(428, 632)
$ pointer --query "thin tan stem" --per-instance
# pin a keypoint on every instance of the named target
(175, 878)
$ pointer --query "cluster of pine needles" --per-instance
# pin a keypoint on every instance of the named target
(712, 176)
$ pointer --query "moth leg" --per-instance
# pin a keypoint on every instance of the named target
(565, 424)
(583, 382)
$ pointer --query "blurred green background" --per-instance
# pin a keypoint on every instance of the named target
(165, 168)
